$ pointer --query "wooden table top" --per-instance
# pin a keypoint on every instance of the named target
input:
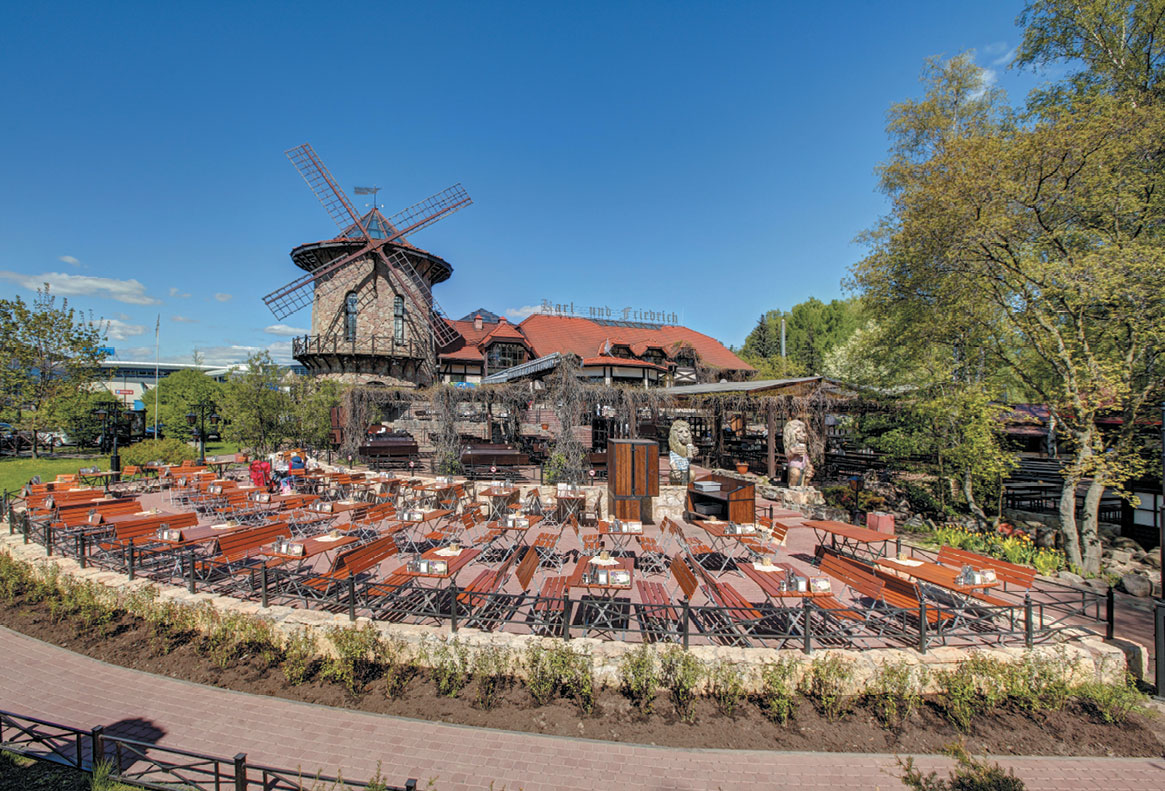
(531, 520)
(770, 581)
(313, 546)
(498, 491)
(933, 573)
(605, 529)
(862, 535)
(625, 563)
(454, 564)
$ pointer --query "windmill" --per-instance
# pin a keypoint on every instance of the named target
(379, 238)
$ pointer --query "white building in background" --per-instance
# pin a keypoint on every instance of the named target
(131, 380)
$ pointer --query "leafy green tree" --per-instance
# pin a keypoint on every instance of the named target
(72, 413)
(257, 406)
(1034, 249)
(1117, 45)
(812, 329)
(177, 394)
(311, 400)
(47, 351)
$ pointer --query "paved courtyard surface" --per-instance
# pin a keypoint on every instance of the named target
(55, 684)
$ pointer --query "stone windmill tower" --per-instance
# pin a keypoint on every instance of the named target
(374, 318)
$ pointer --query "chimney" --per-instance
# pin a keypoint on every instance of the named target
(501, 319)
(477, 322)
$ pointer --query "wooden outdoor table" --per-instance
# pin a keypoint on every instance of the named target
(497, 498)
(602, 607)
(98, 478)
(568, 505)
(620, 538)
(770, 582)
(316, 545)
(193, 535)
(850, 538)
(934, 574)
(454, 564)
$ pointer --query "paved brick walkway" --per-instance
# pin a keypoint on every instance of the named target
(55, 684)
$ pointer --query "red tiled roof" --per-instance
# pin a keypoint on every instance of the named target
(548, 334)
(604, 360)
(504, 331)
(467, 349)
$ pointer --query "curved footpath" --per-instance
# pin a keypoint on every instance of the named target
(56, 684)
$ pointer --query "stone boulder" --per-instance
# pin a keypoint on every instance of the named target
(1137, 585)
(1070, 578)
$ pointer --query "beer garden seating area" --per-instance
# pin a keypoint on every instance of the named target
(496, 555)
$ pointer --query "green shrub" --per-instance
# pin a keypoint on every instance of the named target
(681, 672)
(300, 656)
(449, 666)
(354, 661)
(493, 672)
(968, 775)
(169, 450)
(1039, 683)
(15, 578)
(171, 624)
(896, 693)
(958, 696)
(826, 682)
(1113, 703)
(726, 687)
(401, 665)
(639, 676)
(775, 698)
(230, 636)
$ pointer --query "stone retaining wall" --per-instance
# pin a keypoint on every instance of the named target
(1089, 658)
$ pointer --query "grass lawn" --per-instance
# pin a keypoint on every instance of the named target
(221, 448)
(14, 473)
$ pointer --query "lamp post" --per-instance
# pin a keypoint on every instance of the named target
(110, 415)
(199, 413)
(1159, 604)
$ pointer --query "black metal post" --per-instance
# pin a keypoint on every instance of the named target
(132, 568)
(25, 525)
(190, 569)
(807, 631)
(351, 596)
(97, 750)
(566, 608)
(686, 615)
(48, 537)
(1159, 633)
(263, 579)
(1109, 613)
(81, 551)
(241, 772)
(922, 639)
(1028, 636)
(453, 591)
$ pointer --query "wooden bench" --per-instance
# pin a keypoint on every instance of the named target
(857, 578)
(1012, 574)
(352, 562)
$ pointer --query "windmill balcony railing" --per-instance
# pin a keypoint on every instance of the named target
(384, 345)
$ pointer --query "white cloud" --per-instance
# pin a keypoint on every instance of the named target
(68, 259)
(1005, 59)
(517, 314)
(221, 297)
(175, 292)
(222, 355)
(118, 330)
(135, 353)
(280, 352)
(284, 330)
(183, 319)
(131, 291)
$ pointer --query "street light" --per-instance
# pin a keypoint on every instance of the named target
(110, 415)
(199, 413)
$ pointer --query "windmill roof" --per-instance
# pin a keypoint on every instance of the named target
(486, 315)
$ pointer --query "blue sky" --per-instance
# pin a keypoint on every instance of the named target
(714, 159)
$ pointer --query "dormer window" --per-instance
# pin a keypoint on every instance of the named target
(655, 356)
(501, 356)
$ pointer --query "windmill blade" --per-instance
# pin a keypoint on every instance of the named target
(420, 295)
(430, 210)
(298, 294)
(325, 187)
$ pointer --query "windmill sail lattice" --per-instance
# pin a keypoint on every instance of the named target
(381, 238)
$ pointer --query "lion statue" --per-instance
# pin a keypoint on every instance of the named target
(796, 437)
(681, 451)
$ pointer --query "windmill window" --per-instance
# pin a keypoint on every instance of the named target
(398, 318)
(350, 308)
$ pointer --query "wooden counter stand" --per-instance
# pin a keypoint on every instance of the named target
(734, 501)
